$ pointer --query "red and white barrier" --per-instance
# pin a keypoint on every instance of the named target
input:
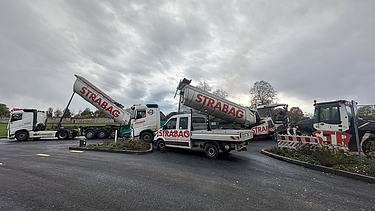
(331, 139)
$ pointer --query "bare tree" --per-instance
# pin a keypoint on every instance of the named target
(58, 112)
(204, 86)
(221, 93)
(262, 93)
(50, 112)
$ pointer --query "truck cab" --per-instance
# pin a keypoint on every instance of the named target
(145, 121)
(27, 124)
(26, 120)
(333, 116)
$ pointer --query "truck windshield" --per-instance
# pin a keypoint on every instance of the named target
(327, 113)
(171, 124)
(16, 117)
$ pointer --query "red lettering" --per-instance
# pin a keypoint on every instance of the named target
(205, 98)
(340, 139)
(109, 109)
(92, 96)
(210, 102)
(88, 92)
(180, 134)
(225, 108)
(116, 113)
(199, 99)
(175, 133)
(316, 134)
(329, 138)
(166, 133)
(83, 90)
(104, 105)
(98, 101)
(186, 134)
(239, 114)
(218, 106)
(232, 111)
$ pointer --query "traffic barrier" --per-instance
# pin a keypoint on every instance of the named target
(294, 142)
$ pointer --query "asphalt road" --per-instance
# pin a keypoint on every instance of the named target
(169, 180)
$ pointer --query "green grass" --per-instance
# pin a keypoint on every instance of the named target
(330, 158)
(4, 131)
(122, 144)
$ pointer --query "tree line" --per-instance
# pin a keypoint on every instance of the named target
(86, 113)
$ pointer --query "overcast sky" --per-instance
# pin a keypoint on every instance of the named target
(137, 51)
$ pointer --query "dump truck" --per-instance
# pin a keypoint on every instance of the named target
(25, 124)
(229, 111)
(189, 131)
(335, 124)
(138, 121)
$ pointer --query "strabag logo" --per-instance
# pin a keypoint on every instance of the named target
(99, 101)
(174, 133)
(223, 107)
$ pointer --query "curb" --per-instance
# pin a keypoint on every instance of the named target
(351, 175)
(114, 150)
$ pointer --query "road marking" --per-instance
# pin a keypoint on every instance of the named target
(75, 151)
(43, 155)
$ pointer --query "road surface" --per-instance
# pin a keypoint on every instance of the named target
(170, 180)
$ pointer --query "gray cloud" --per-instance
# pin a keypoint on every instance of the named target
(137, 51)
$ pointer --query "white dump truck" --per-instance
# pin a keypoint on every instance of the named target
(193, 130)
(27, 124)
(139, 121)
(224, 109)
(188, 131)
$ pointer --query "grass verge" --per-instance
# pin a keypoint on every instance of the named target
(122, 144)
(3, 130)
(330, 158)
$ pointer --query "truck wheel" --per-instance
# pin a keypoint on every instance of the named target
(112, 134)
(147, 137)
(62, 135)
(102, 134)
(22, 136)
(89, 134)
(368, 147)
(212, 151)
(160, 145)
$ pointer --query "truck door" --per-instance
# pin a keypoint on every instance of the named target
(331, 117)
(21, 120)
(183, 133)
(139, 124)
(168, 132)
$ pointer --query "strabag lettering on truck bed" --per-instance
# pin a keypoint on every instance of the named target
(223, 108)
(174, 133)
(98, 101)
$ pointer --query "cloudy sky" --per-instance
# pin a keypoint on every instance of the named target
(137, 51)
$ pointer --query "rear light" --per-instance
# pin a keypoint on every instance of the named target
(239, 146)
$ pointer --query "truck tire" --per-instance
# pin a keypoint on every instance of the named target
(62, 135)
(102, 134)
(147, 137)
(112, 134)
(368, 147)
(160, 145)
(211, 151)
(89, 134)
(22, 136)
